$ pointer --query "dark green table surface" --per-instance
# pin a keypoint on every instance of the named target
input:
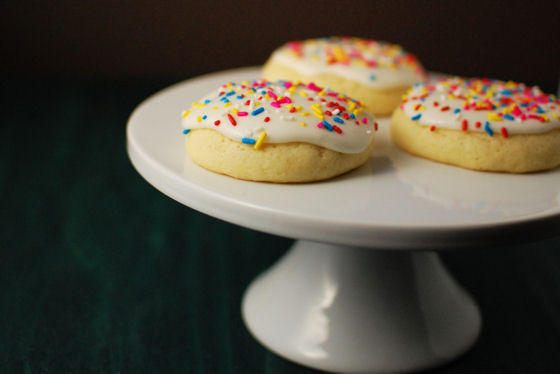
(101, 273)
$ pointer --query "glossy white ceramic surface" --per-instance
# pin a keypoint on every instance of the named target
(337, 306)
(394, 201)
(354, 310)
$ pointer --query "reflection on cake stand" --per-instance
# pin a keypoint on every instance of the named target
(361, 291)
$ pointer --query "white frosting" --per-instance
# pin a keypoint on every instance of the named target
(291, 117)
(393, 66)
(493, 104)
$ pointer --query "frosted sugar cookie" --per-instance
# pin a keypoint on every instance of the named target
(278, 132)
(373, 72)
(480, 124)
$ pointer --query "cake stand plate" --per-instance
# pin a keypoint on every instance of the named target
(362, 290)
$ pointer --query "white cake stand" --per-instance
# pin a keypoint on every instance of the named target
(361, 291)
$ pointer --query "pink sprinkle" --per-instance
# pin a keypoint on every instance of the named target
(288, 84)
(364, 120)
(242, 114)
(272, 94)
(333, 94)
(275, 104)
(320, 125)
(313, 87)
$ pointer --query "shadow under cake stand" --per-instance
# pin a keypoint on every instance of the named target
(362, 290)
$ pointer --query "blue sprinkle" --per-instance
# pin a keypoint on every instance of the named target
(224, 99)
(257, 111)
(339, 120)
(372, 77)
(207, 101)
(263, 92)
(456, 111)
(352, 116)
(524, 105)
(232, 92)
(509, 116)
(204, 116)
(540, 110)
(327, 126)
(506, 92)
(488, 129)
(248, 141)
(416, 117)
(239, 97)
(186, 131)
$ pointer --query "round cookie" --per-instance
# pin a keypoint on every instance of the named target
(480, 124)
(375, 73)
(280, 132)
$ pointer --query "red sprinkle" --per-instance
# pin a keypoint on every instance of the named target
(436, 103)
(444, 108)
(292, 110)
(433, 128)
(231, 119)
(417, 106)
(217, 122)
(375, 126)
(337, 129)
(267, 119)
(464, 125)
(477, 125)
(504, 132)
(328, 112)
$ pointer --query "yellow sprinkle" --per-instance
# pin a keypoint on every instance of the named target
(246, 83)
(321, 93)
(545, 117)
(292, 89)
(296, 82)
(234, 111)
(302, 93)
(355, 113)
(258, 103)
(320, 116)
(194, 105)
(289, 106)
(199, 118)
(303, 124)
(555, 115)
(351, 106)
(494, 117)
(260, 140)
(215, 108)
(451, 97)
(267, 96)
(201, 105)
(186, 113)
(227, 104)
(304, 114)
(298, 108)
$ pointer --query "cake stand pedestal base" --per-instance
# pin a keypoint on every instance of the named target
(356, 310)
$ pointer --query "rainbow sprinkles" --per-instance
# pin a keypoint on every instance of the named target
(259, 112)
(482, 105)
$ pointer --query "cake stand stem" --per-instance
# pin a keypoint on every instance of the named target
(357, 310)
